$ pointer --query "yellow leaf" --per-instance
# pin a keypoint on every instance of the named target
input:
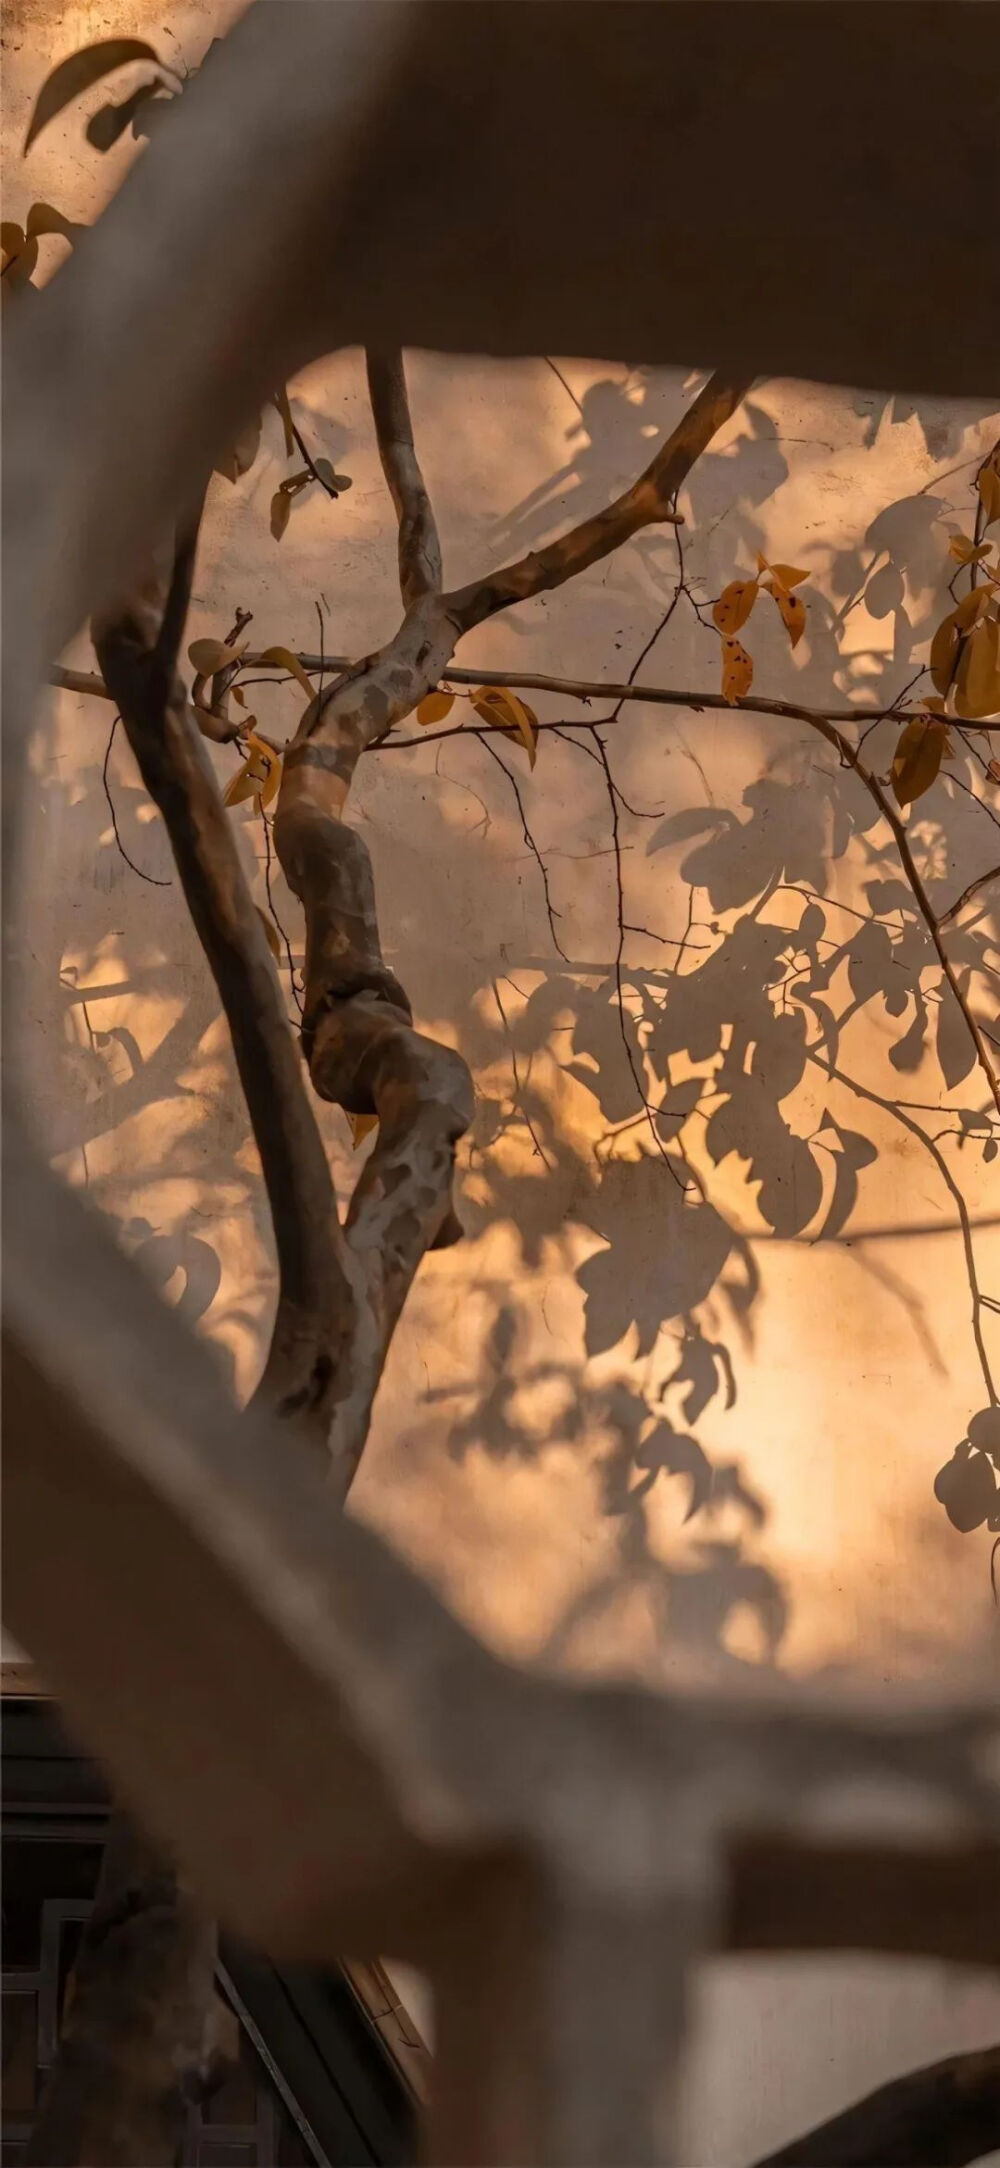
(498, 705)
(260, 774)
(735, 604)
(792, 609)
(360, 1126)
(920, 749)
(972, 606)
(281, 507)
(737, 670)
(788, 575)
(211, 656)
(944, 648)
(989, 489)
(271, 932)
(76, 74)
(435, 707)
(967, 553)
(283, 658)
(244, 785)
(281, 402)
(977, 685)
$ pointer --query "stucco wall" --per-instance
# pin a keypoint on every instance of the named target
(774, 1506)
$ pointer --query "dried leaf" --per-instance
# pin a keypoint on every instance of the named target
(788, 575)
(498, 705)
(792, 610)
(244, 785)
(281, 402)
(966, 552)
(76, 74)
(208, 657)
(260, 774)
(735, 604)
(977, 685)
(360, 1126)
(281, 511)
(271, 932)
(944, 648)
(920, 749)
(435, 707)
(283, 659)
(972, 606)
(989, 489)
(737, 670)
(993, 771)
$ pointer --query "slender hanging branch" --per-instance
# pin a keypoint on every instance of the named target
(419, 547)
(137, 649)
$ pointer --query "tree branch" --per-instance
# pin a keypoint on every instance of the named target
(939, 2117)
(852, 758)
(419, 546)
(982, 880)
(87, 681)
(649, 500)
(137, 650)
(137, 2044)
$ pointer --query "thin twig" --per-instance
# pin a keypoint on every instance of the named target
(519, 1099)
(967, 894)
(550, 910)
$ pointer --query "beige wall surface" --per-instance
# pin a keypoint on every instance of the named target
(619, 1430)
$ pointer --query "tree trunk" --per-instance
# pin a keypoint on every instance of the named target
(137, 2041)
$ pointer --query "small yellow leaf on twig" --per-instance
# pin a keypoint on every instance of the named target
(435, 707)
(496, 704)
(788, 575)
(920, 749)
(735, 604)
(977, 685)
(283, 659)
(966, 552)
(360, 1126)
(792, 610)
(271, 932)
(211, 656)
(259, 776)
(737, 670)
(944, 648)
